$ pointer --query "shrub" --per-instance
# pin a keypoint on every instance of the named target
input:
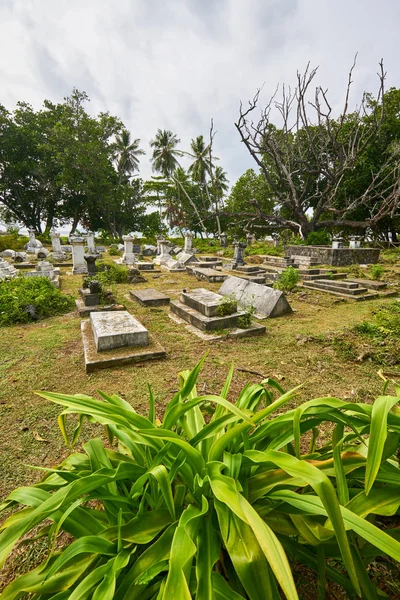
(213, 507)
(26, 299)
(318, 238)
(114, 252)
(385, 322)
(355, 271)
(12, 241)
(108, 273)
(287, 280)
(227, 306)
(377, 271)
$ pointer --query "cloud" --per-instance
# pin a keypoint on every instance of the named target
(177, 64)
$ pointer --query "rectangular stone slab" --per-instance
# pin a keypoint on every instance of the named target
(197, 319)
(210, 275)
(149, 297)
(117, 329)
(266, 301)
(203, 301)
(120, 356)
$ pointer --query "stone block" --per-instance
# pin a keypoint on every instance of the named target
(120, 356)
(117, 329)
(266, 301)
(149, 297)
(209, 275)
(203, 301)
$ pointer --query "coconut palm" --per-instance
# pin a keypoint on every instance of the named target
(126, 154)
(221, 183)
(200, 167)
(165, 153)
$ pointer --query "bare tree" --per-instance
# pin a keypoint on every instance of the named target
(306, 158)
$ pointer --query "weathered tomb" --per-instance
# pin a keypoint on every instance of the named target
(150, 297)
(116, 338)
(201, 309)
(337, 257)
(209, 275)
(266, 301)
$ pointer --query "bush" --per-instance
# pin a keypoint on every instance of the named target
(377, 271)
(227, 306)
(215, 501)
(385, 322)
(318, 238)
(114, 252)
(108, 273)
(27, 299)
(287, 280)
(11, 241)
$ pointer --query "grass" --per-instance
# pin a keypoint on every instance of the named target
(48, 356)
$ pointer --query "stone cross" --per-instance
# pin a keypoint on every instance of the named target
(128, 258)
(187, 249)
(33, 243)
(58, 254)
(78, 256)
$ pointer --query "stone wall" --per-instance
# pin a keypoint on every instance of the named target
(337, 257)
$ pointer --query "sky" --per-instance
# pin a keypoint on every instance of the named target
(175, 64)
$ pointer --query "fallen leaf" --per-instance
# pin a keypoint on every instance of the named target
(38, 437)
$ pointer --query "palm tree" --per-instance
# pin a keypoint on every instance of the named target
(200, 167)
(221, 183)
(126, 154)
(165, 152)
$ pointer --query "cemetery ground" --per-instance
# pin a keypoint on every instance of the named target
(316, 346)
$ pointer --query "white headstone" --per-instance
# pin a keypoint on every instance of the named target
(78, 254)
(266, 301)
(128, 257)
(90, 242)
(57, 254)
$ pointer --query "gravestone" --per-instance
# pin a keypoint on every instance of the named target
(164, 255)
(57, 254)
(266, 301)
(149, 250)
(238, 255)
(20, 257)
(223, 240)
(41, 253)
(91, 264)
(33, 243)
(117, 329)
(78, 256)
(188, 246)
(337, 242)
(160, 240)
(7, 271)
(150, 297)
(90, 243)
(128, 258)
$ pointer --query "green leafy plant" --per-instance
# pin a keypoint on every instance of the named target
(355, 271)
(114, 252)
(26, 299)
(108, 273)
(377, 271)
(227, 306)
(12, 241)
(216, 500)
(321, 237)
(287, 280)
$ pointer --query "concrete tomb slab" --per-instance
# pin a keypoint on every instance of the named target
(95, 360)
(204, 301)
(117, 329)
(150, 297)
(266, 301)
(210, 275)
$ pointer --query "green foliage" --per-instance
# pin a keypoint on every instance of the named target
(227, 306)
(287, 280)
(320, 237)
(356, 271)
(264, 248)
(377, 271)
(11, 241)
(114, 252)
(215, 501)
(108, 273)
(26, 299)
(385, 322)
